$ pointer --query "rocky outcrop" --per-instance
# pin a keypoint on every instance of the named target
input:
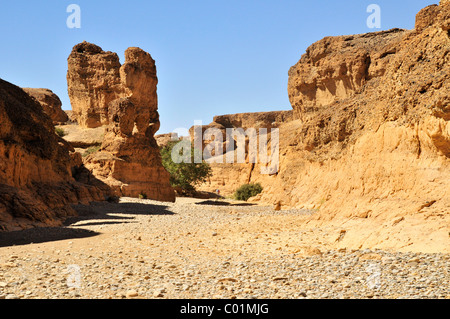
(228, 177)
(123, 98)
(245, 121)
(93, 80)
(71, 118)
(405, 80)
(336, 68)
(369, 147)
(96, 79)
(40, 175)
(254, 120)
(50, 103)
(164, 139)
(426, 17)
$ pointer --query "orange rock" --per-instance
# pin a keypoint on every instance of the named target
(124, 99)
(50, 103)
(278, 206)
(39, 176)
(370, 133)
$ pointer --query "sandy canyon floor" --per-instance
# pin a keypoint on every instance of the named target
(205, 249)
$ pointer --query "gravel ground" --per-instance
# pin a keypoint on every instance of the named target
(146, 249)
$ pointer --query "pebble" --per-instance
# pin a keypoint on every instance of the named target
(132, 294)
(159, 293)
(167, 263)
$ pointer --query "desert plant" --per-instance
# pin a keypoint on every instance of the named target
(248, 190)
(91, 150)
(184, 175)
(142, 196)
(60, 132)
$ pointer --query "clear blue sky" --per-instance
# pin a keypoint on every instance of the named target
(213, 56)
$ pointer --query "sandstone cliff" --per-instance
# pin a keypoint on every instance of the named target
(123, 99)
(40, 175)
(369, 146)
(50, 103)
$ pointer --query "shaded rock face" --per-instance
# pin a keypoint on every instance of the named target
(124, 99)
(50, 103)
(370, 139)
(40, 176)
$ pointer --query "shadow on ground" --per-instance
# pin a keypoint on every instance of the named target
(42, 235)
(223, 203)
(114, 213)
(104, 213)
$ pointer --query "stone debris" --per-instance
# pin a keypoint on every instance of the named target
(167, 264)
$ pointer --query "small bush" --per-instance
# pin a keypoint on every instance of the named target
(246, 191)
(142, 196)
(91, 150)
(60, 132)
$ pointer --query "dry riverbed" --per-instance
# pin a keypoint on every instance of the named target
(200, 249)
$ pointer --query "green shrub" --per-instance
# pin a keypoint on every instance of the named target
(248, 190)
(92, 150)
(184, 175)
(142, 196)
(60, 132)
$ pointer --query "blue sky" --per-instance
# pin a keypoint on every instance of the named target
(213, 56)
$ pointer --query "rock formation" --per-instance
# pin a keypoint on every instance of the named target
(50, 103)
(124, 99)
(164, 139)
(40, 175)
(93, 80)
(228, 177)
(369, 145)
(254, 120)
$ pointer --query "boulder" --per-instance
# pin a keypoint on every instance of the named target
(50, 103)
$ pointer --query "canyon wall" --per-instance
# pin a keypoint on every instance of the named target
(369, 144)
(40, 174)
